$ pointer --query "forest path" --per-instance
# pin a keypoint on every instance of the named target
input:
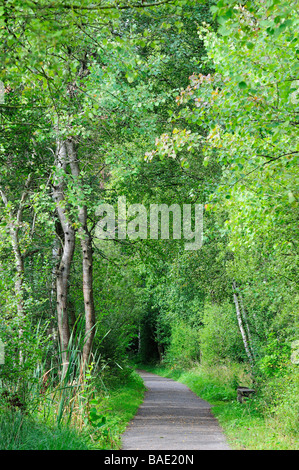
(172, 418)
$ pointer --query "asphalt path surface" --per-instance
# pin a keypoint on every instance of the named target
(172, 418)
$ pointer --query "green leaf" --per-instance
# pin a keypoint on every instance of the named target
(242, 85)
(224, 31)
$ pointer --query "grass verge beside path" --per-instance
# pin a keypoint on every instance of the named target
(246, 426)
(118, 405)
(120, 408)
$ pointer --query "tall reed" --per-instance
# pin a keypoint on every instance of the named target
(68, 387)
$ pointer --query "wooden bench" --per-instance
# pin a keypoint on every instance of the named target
(243, 393)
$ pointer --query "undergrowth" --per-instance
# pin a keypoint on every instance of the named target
(107, 412)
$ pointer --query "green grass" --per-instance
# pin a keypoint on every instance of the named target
(117, 406)
(247, 428)
(254, 425)
(20, 432)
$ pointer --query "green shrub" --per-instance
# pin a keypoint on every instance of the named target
(280, 395)
(275, 357)
(184, 346)
(220, 338)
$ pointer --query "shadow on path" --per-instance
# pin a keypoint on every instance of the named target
(172, 418)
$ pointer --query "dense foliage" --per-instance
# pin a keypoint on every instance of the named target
(171, 102)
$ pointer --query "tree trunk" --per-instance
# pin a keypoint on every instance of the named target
(87, 261)
(88, 297)
(14, 224)
(56, 256)
(18, 286)
(244, 316)
(63, 271)
(240, 323)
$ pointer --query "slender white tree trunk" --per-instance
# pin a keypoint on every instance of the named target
(241, 326)
(14, 223)
(63, 271)
(87, 260)
(244, 316)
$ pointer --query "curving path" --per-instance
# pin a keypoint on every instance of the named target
(172, 418)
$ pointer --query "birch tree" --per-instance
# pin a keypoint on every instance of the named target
(14, 222)
(242, 327)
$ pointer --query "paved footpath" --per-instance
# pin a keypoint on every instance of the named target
(172, 418)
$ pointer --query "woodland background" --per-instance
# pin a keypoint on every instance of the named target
(170, 102)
